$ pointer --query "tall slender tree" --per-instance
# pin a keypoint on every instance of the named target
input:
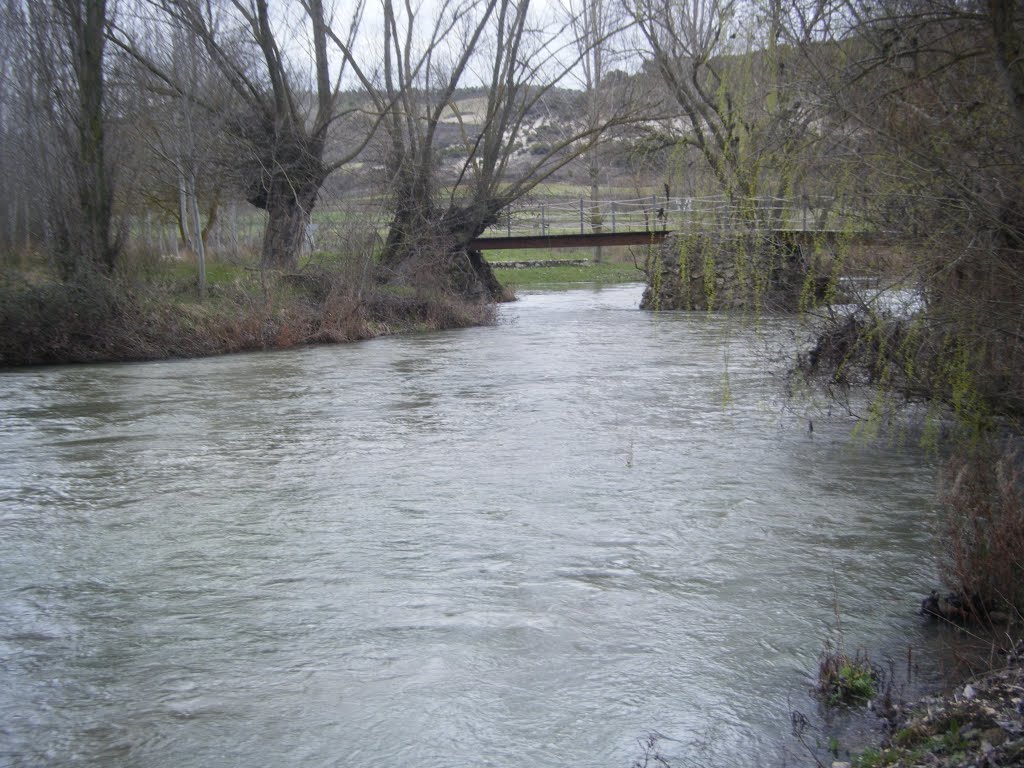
(595, 26)
(64, 98)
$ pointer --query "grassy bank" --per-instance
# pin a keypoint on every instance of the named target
(602, 274)
(151, 308)
(155, 313)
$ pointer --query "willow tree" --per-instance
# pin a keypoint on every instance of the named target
(928, 94)
(498, 49)
(275, 60)
(733, 84)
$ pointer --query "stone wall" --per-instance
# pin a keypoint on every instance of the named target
(773, 271)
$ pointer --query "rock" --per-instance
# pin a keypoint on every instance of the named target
(962, 609)
(994, 737)
(951, 607)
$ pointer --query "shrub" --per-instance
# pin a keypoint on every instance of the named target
(982, 557)
(54, 322)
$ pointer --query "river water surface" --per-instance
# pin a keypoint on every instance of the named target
(524, 545)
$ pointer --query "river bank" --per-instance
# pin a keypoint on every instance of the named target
(100, 320)
(979, 723)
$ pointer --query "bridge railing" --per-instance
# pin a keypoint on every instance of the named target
(684, 214)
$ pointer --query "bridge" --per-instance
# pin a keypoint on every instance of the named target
(583, 223)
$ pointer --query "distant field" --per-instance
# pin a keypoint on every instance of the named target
(541, 254)
(575, 191)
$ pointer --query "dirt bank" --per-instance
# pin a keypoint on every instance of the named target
(101, 322)
(980, 723)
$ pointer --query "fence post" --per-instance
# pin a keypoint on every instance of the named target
(613, 215)
(543, 223)
(508, 222)
(581, 215)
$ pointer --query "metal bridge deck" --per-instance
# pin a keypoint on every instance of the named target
(583, 223)
(585, 240)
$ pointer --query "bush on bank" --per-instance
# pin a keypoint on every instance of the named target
(982, 557)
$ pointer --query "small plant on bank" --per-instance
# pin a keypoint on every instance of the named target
(846, 680)
(869, 758)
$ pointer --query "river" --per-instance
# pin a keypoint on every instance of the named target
(524, 545)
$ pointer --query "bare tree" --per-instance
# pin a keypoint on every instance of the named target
(427, 56)
(182, 161)
(283, 134)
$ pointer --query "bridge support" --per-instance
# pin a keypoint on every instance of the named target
(774, 271)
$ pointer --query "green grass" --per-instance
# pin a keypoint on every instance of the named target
(846, 680)
(603, 274)
(216, 271)
(605, 192)
(609, 254)
(180, 276)
(540, 254)
(183, 274)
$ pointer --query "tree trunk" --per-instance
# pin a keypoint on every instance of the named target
(407, 236)
(95, 187)
(459, 228)
(284, 177)
(485, 274)
(596, 223)
(288, 210)
(445, 242)
(1009, 56)
(183, 210)
(199, 243)
(212, 214)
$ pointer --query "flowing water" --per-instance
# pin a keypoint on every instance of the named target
(527, 545)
